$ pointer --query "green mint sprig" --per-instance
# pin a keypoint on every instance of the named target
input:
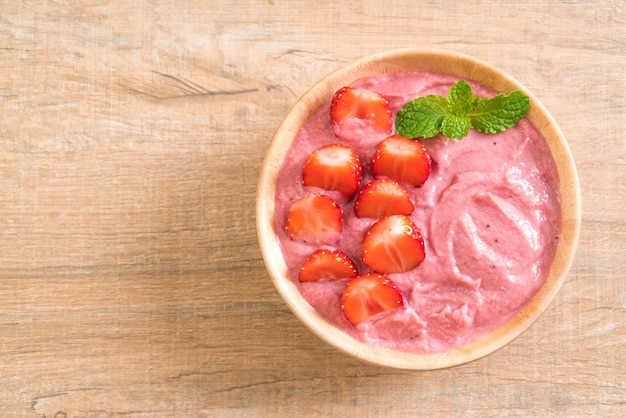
(456, 114)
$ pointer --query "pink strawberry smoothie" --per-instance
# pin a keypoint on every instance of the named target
(489, 214)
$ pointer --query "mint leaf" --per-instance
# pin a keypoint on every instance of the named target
(422, 117)
(460, 111)
(460, 98)
(456, 127)
(499, 113)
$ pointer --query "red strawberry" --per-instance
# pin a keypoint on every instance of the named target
(327, 264)
(402, 159)
(367, 295)
(382, 197)
(314, 219)
(361, 108)
(393, 245)
(333, 167)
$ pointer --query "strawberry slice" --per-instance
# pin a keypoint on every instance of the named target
(368, 295)
(314, 219)
(402, 159)
(359, 108)
(393, 245)
(327, 264)
(382, 197)
(333, 167)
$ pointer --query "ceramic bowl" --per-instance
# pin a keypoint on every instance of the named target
(444, 62)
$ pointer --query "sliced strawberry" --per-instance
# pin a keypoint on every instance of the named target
(393, 245)
(402, 159)
(327, 264)
(359, 108)
(382, 197)
(314, 219)
(368, 295)
(333, 167)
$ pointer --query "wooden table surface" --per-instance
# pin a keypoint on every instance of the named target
(131, 138)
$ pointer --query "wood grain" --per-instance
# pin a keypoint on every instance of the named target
(131, 138)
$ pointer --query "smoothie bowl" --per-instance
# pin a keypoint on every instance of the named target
(418, 209)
